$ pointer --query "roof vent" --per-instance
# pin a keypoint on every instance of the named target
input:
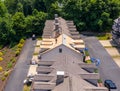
(60, 77)
(60, 50)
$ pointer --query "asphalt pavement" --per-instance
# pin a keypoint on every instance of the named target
(15, 81)
(108, 69)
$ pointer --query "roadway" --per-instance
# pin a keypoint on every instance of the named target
(108, 69)
(15, 81)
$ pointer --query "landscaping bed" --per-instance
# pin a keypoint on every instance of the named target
(8, 58)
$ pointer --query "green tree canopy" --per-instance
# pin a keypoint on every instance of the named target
(19, 24)
(95, 15)
(3, 9)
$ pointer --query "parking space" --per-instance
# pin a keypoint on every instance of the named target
(112, 49)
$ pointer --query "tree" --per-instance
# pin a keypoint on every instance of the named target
(35, 23)
(19, 25)
(28, 7)
(6, 31)
(38, 22)
(95, 15)
(19, 7)
(40, 5)
(3, 9)
(11, 5)
(54, 9)
(29, 28)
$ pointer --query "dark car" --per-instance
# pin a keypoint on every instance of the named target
(110, 84)
(33, 37)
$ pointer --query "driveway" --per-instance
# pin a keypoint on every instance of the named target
(15, 81)
(108, 68)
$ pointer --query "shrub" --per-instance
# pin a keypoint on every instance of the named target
(86, 53)
(88, 61)
(22, 41)
(1, 46)
(9, 65)
(20, 45)
(99, 81)
(1, 54)
(6, 73)
(96, 70)
(18, 49)
(17, 52)
(1, 68)
(1, 59)
(3, 79)
(13, 60)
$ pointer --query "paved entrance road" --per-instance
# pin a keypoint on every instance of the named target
(15, 82)
(108, 68)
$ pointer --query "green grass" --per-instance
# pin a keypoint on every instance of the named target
(109, 46)
(26, 88)
(106, 36)
(35, 53)
(37, 46)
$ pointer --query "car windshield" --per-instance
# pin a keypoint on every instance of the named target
(110, 83)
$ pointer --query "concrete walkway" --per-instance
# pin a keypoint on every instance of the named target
(108, 43)
(15, 81)
(32, 68)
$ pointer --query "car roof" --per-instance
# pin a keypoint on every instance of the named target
(110, 82)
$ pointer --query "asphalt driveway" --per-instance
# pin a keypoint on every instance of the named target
(15, 81)
(108, 68)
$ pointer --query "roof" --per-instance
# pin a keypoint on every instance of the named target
(63, 57)
(65, 27)
(63, 39)
(48, 29)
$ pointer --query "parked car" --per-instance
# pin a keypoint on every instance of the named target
(110, 84)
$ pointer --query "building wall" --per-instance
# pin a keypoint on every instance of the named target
(67, 53)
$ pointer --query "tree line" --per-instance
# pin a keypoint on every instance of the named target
(21, 18)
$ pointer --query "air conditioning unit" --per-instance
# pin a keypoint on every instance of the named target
(60, 77)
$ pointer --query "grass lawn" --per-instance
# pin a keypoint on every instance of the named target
(105, 36)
